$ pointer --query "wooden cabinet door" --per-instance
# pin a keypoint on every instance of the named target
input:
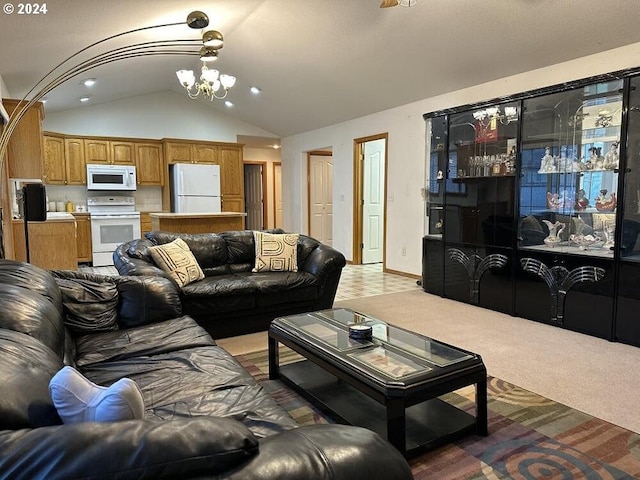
(75, 166)
(25, 150)
(96, 151)
(205, 154)
(83, 238)
(53, 164)
(178, 152)
(122, 153)
(149, 164)
(231, 178)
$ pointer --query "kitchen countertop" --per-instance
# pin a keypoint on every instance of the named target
(53, 217)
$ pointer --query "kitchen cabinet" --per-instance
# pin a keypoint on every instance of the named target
(533, 205)
(75, 164)
(83, 237)
(231, 178)
(54, 160)
(198, 222)
(25, 151)
(52, 244)
(145, 222)
(108, 151)
(228, 156)
(63, 161)
(149, 164)
(97, 151)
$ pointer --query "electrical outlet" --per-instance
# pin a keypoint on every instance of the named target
(404, 251)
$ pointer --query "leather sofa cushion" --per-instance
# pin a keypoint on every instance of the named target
(240, 246)
(26, 275)
(29, 312)
(232, 284)
(89, 306)
(209, 249)
(202, 447)
(145, 340)
(199, 381)
(26, 366)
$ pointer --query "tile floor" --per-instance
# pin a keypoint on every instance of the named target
(357, 281)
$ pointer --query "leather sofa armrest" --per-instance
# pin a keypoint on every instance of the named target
(126, 264)
(349, 453)
(181, 448)
(323, 260)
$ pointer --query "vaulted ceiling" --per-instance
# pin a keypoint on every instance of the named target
(318, 62)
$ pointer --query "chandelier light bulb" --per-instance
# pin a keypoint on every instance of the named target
(209, 74)
(227, 81)
(186, 78)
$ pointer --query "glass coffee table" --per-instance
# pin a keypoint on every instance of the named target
(389, 382)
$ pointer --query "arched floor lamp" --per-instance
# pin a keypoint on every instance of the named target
(63, 72)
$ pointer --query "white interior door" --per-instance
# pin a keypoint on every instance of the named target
(277, 195)
(253, 196)
(373, 205)
(321, 198)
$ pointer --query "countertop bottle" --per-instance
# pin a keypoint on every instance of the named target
(69, 206)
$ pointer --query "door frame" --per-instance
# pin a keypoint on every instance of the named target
(320, 153)
(273, 191)
(263, 175)
(358, 195)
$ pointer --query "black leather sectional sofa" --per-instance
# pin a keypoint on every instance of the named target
(204, 415)
(232, 300)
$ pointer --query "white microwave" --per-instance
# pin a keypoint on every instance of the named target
(111, 177)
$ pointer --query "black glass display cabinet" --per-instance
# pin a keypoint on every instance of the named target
(468, 249)
(534, 206)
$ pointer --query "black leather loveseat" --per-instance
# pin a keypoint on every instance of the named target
(204, 416)
(232, 300)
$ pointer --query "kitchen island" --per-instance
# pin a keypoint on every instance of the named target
(197, 222)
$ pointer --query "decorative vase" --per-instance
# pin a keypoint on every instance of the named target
(555, 229)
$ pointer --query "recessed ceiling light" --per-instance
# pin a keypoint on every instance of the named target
(276, 146)
(89, 82)
(255, 90)
(228, 103)
(84, 99)
(44, 100)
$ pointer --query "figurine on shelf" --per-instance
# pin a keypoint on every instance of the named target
(612, 158)
(555, 200)
(555, 229)
(590, 164)
(599, 161)
(609, 231)
(604, 202)
(582, 202)
(548, 163)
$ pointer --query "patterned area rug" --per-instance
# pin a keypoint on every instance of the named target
(530, 437)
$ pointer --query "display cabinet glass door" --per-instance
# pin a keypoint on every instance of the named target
(480, 204)
(570, 162)
(627, 326)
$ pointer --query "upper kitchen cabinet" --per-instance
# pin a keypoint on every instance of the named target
(149, 164)
(25, 152)
(120, 152)
(63, 160)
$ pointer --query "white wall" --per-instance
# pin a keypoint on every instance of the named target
(406, 160)
(156, 115)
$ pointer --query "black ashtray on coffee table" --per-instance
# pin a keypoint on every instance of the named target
(389, 382)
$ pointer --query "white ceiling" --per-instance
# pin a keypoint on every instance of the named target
(318, 62)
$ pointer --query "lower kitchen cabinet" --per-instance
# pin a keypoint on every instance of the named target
(83, 237)
(52, 244)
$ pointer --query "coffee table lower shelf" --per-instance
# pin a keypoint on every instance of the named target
(429, 424)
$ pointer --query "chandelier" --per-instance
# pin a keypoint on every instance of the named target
(210, 79)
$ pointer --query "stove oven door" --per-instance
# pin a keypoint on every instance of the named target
(109, 231)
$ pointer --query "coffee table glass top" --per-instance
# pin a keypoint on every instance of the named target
(392, 351)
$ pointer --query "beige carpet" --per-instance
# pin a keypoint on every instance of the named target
(595, 376)
(589, 374)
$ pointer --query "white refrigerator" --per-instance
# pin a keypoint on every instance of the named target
(195, 188)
